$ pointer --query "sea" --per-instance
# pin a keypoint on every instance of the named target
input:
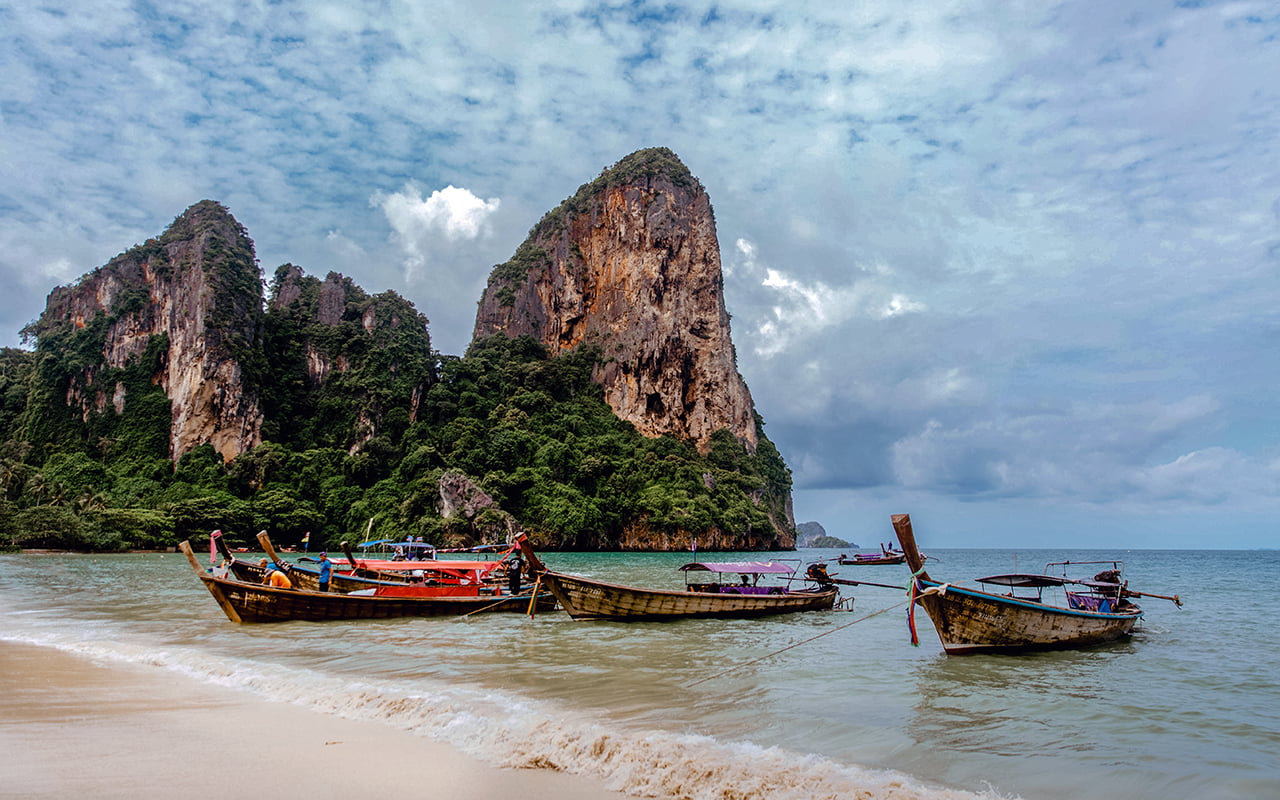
(835, 704)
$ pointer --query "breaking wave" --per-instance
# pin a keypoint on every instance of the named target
(507, 730)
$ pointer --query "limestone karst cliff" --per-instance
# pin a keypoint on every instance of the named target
(193, 299)
(365, 359)
(165, 396)
(176, 326)
(631, 262)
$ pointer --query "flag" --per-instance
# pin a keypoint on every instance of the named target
(213, 547)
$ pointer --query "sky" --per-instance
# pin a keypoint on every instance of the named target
(1010, 267)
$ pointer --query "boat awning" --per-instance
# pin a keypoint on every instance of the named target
(740, 567)
(394, 543)
(1098, 584)
(1024, 580)
(448, 566)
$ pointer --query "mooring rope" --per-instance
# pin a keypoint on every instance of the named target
(793, 645)
(533, 599)
(912, 590)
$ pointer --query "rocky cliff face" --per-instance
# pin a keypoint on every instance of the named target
(336, 341)
(197, 287)
(631, 263)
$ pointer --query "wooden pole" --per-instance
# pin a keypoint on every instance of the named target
(1176, 599)
(346, 550)
(907, 537)
(264, 541)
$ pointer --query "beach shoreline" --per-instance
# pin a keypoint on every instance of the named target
(70, 726)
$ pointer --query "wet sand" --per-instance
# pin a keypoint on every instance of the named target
(70, 728)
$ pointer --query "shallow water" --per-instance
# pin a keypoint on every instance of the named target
(802, 706)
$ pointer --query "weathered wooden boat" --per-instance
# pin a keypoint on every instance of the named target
(587, 599)
(363, 574)
(975, 621)
(872, 559)
(243, 601)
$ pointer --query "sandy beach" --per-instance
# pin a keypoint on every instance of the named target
(70, 727)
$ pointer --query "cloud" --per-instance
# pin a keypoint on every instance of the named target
(450, 215)
(979, 250)
(801, 311)
(1086, 454)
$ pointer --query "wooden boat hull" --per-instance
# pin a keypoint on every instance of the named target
(246, 602)
(970, 621)
(586, 599)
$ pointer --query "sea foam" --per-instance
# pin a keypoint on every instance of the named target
(505, 729)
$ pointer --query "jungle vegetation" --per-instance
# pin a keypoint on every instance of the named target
(531, 431)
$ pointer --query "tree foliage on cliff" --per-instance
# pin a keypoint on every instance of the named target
(533, 432)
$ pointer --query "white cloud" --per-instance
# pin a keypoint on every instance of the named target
(799, 311)
(421, 226)
(455, 213)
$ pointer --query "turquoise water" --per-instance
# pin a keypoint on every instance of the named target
(803, 706)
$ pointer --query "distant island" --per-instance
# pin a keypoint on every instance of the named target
(812, 534)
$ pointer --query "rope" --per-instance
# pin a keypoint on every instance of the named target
(790, 646)
(912, 591)
(911, 613)
(533, 601)
(486, 608)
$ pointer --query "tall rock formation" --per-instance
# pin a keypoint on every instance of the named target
(631, 263)
(192, 299)
(366, 360)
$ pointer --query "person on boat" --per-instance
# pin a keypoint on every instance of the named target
(514, 568)
(273, 576)
(326, 571)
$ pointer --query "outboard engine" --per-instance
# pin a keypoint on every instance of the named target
(817, 572)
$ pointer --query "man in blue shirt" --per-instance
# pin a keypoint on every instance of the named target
(326, 571)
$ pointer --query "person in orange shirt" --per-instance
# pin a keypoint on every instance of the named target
(273, 577)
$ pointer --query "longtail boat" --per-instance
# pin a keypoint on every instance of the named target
(587, 599)
(885, 556)
(243, 601)
(975, 621)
